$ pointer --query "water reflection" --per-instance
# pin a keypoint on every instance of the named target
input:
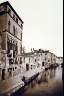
(33, 84)
(48, 83)
(39, 78)
(62, 74)
(52, 72)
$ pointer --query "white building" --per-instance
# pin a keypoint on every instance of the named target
(43, 57)
(54, 60)
(60, 60)
(27, 61)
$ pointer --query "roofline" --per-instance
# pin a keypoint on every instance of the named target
(12, 9)
(60, 57)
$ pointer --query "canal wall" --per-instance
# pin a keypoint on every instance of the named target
(31, 74)
(12, 84)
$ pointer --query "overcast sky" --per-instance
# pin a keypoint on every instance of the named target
(43, 24)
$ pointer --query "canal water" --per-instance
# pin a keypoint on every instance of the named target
(48, 83)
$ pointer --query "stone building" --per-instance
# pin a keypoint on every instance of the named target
(28, 61)
(45, 58)
(11, 27)
(60, 60)
(53, 59)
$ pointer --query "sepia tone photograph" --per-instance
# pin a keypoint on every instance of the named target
(31, 47)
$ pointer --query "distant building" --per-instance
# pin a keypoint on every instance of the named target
(11, 27)
(60, 60)
(44, 58)
(41, 57)
(27, 61)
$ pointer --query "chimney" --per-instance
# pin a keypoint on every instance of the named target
(31, 49)
(39, 49)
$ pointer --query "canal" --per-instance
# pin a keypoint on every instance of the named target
(48, 83)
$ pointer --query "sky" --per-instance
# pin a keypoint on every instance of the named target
(43, 24)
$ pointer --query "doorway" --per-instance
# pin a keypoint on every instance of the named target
(27, 67)
(42, 63)
(3, 74)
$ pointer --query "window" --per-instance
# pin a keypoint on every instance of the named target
(15, 67)
(24, 59)
(14, 30)
(13, 16)
(5, 8)
(9, 26)
(8, 48)
(21, 36)
(35, 60)
(20, 48)
(21, 26)
(45, 58)
(16, 46)
(8, 69)
(9, 11)
(13, 53)
(48, 60)
(16, 20)
(20, 60)
(42, 63)
(45, 53)
(16, 62)
(2, 8)
(29, 60)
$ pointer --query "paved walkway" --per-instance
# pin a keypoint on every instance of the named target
(11, 83)
(32, 72)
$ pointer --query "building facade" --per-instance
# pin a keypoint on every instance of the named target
(11, 27)
(60, 60)
(45, 58)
